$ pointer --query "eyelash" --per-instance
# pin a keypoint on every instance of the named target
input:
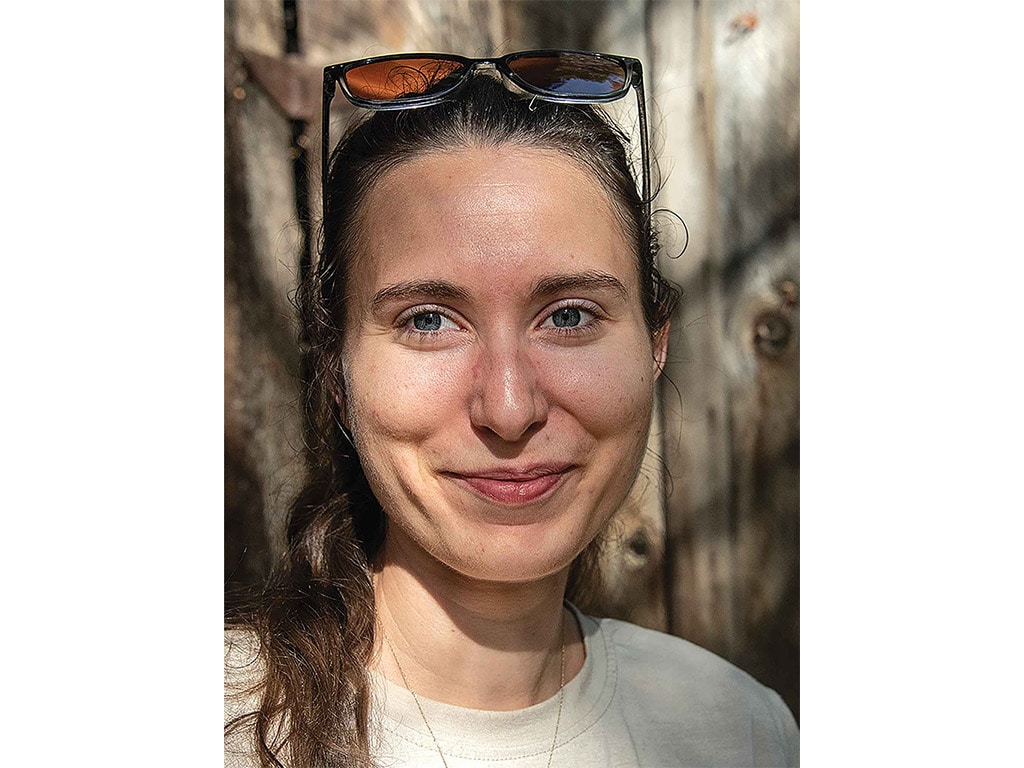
(586, 325)
(591, 317)
(405, 321)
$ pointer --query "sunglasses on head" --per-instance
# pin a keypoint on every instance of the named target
(411, 80)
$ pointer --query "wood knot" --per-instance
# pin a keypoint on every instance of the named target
(772, 333)
(638, 548)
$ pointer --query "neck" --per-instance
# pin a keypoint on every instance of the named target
(482, 645)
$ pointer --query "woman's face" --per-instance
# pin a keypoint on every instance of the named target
(499, 372)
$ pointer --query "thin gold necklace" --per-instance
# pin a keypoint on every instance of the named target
(415, 698)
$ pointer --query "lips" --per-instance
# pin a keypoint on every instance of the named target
(513, 486)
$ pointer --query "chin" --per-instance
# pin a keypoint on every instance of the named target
(514, 554)
(517, 567)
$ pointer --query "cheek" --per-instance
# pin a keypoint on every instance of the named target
(411, 397)
(609, 391)
(404, 396)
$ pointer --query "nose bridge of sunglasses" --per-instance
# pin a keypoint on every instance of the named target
(485, 67)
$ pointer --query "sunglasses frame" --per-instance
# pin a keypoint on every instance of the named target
(334, 75)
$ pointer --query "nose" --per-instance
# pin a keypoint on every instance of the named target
(507, 400)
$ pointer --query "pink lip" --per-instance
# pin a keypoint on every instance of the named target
(514, 486)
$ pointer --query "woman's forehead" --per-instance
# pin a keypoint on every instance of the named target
(508, 208)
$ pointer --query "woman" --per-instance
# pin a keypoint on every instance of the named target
(486, 325)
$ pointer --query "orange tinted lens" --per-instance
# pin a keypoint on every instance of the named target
(571, 74)
(403, 78)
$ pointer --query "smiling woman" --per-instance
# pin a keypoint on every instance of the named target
(499, 370)
(486, 326)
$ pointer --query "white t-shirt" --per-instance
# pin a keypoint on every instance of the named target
(643, 698)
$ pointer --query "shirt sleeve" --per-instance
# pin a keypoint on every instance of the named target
(241, 673)
(789, 733)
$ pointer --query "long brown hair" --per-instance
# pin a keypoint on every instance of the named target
(313, 625)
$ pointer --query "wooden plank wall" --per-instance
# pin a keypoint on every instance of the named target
(726, 82)
(707, 545)
(262, 243)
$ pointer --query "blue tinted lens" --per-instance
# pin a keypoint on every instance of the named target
(571, 74)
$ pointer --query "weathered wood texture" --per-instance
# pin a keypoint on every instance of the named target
(726, 80)
(706, 546)
(261, 422)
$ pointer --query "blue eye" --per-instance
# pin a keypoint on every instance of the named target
(575, 320)
(566, 317)
(427, 321)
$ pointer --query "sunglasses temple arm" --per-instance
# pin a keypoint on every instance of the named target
(645, 155)
(325, 136)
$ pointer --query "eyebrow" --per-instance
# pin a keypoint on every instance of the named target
(439, 289)
(583, 281)
(546, 286)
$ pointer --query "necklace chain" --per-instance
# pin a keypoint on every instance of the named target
(415, 698)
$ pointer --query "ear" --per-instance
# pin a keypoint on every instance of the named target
(661, 348)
